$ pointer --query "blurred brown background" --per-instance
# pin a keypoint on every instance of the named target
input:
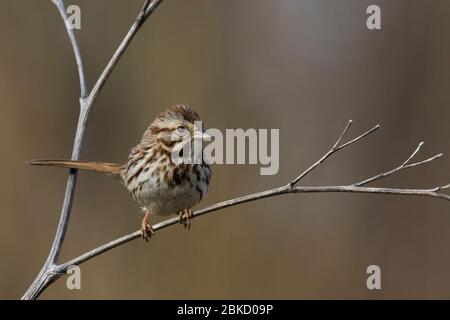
(305, 67)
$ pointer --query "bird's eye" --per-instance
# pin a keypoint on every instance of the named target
(180, 129)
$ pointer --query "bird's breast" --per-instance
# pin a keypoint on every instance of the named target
(166, 188)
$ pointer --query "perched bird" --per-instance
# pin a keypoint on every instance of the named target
(155, 182)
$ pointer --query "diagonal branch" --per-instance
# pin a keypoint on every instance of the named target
(403, 166)
(61, 269)
(436, 189)
(51, 271)
(76, 49)
(42, 280)
(146, 11)
(252, 197)
(287, 189)
(336, 147)
(46, 275)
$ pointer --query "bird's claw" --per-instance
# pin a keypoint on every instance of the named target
(185, 216)
(146, 231)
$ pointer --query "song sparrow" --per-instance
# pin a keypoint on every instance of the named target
(155, 182)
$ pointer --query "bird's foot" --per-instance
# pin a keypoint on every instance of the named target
(185, 216)
(146, 229)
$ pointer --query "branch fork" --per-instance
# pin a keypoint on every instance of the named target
(86, 100)
(52, 270)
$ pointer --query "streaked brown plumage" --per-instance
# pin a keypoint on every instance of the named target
(152, 178)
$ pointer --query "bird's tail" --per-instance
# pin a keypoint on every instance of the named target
(112, 170)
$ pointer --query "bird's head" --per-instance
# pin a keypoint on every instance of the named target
(178, 124)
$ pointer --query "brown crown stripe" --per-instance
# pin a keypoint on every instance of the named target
(183, 111)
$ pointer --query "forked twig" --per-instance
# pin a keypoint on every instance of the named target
(403, 166)
(52, 270)
(287, 189)
(47, 274)
(336, 147)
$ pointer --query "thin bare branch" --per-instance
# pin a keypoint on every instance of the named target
(51, 271)
(146, 11)
(336, 147)
(43, 278)
(344, 132)
(76, 49)
(447, 186)
(47, 274)
(253, 197)
(365, 134)
(403, 166)
(280, 191)
(411, 165)
(59, 270)
(421, 143)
